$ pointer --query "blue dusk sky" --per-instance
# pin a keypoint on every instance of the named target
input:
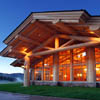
(13, 12)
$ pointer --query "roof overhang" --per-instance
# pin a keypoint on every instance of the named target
(35, 35)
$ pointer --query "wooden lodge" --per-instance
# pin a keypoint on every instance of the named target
(57, 48)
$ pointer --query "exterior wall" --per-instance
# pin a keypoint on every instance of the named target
(69, 84)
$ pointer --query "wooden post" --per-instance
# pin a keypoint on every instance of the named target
(71, 65)
(56, 62)
(91, 65)
(26, 71)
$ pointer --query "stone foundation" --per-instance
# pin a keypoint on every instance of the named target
(68, 84)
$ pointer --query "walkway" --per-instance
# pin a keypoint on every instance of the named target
(14, 96)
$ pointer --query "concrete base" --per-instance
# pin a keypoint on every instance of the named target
(68, 84)
(50, 83)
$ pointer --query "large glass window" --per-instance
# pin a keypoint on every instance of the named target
(97, 57)
(44, 70)
(79, 64)
(79, 73)
(64, 66)
(38, 71)
(48, 68)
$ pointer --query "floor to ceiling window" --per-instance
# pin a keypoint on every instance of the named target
(64, 66)
(48, 68)
(38, 71)
(79, 64)
(44, 70)
(97, 57)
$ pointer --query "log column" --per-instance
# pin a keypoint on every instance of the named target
(91, 66)
(71, 65)
(27, 71)
(56, 62)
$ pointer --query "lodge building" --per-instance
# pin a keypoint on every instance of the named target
(57, 48)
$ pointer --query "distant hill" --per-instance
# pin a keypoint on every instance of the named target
(14, 77)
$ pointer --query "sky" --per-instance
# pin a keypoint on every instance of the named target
(13, 12)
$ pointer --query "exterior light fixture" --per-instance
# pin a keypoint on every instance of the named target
(92, 32)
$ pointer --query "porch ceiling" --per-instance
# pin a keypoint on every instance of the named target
(38, 31)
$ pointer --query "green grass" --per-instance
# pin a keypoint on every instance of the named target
(54, 91)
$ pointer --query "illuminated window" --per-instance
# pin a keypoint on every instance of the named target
(38, 71)
(64, 66)
(97, 57)
(79, 64)
(79, 73)
(79, 56)
(48, 68)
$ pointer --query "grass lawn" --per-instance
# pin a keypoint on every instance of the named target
(54, 91)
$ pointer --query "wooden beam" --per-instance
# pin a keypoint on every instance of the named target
(5, 51)
(50, 48)
(45, 26)
(20, 52)
(28, 40)
(16, 51)
(80, 38)
(65, 48)
(44, 44)
(67, 43)
(65, 28)
(56, 42)
(33, 30)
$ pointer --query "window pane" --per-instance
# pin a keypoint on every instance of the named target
(48, 70)
(38, 71)
(97, 57)
(64, 66)
(79, 73)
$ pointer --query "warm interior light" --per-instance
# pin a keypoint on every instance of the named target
(79, 75)
(97, 69)
(45, 64)
(84, 54)
(51, 75)
(36, 72)
(97, 79)
(79, 56)
(85, 69)
(65, 76)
